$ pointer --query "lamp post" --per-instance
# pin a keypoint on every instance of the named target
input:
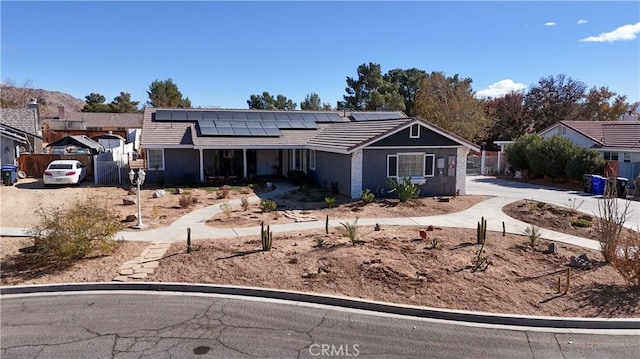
(138, 180)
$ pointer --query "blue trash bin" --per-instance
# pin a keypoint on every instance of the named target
(9, 175)
(598, 184)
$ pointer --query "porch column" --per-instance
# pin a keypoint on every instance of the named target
(244, 162)
(356, 174)
(201, 165)
(461, 170)
(482, 162)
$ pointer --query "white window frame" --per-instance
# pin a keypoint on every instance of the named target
(396, 175)
(433, 165)
(626, 157)
(148, 155)
(312, 160)
(294, 163)
(610, 155)
(414, 179)
(411, 132)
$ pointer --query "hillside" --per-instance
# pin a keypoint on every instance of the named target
(18, 97)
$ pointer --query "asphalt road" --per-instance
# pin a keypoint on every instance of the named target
(141, 325)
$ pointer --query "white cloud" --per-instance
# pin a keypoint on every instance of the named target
(550, 23)
(581, 21)
(623, 33)
(500, 88)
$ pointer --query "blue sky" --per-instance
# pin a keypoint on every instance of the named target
(219, 53)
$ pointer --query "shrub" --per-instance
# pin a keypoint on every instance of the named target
(268, 205)
(330, 201)
(627, 259)
(533, 234)
(551, 156)
(223, 192)
(581, 222)
(540, 204)
(244, 203)
(350, 230)
(226, 209)
(82, 230)
(187, 200)
(367, 197)
(516, 152)
(405, 190)
(298, 178)
(377, 227)
(584, 161)
(610, 222)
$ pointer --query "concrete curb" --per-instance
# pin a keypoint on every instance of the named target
(345, 302)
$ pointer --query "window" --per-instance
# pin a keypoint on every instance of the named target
(410, 165)
(312, 159)
(155, 159)
(414, 131)
(611, 156)
(296, 160)
(626, 157)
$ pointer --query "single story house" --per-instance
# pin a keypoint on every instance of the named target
(617, 141)
(79, 144)
(92, 124)
(19, 133)
(351, 151)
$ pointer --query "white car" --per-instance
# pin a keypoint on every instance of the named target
(64, 172)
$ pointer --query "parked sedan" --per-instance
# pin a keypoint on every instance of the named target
(64, 172)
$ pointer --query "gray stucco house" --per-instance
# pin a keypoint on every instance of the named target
(355, 151)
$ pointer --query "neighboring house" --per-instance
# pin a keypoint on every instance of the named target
(354, 151)
(617, 141)
(19, 132)
(91, 124)
(75, 145)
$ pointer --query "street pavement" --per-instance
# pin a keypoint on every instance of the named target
(173, 325)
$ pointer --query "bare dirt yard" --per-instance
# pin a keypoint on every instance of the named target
(393, 264)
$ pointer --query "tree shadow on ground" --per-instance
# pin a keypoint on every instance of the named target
(27, 266)
(610, 299)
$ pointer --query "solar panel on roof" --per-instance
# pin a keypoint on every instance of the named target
(254, 116)
(257, 132)
(310, 124)
(254, 124)
(297, 124)
(206, 123)
(179, 115)
(272, 131)
(241, 131)
(295, 117)
(225, 131)
(267, 116)
(225, 115)
(209, 115)
(238, 124)
(269, 124)
(283, 124)
(239, 115)
(222, 123)
(334, 117)
(308, 117)
(281, 116)
(208, 131)
(163, 115)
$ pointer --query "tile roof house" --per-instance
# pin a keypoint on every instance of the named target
(617, 141)
(92, 124)
(353, 151)
(19, 132)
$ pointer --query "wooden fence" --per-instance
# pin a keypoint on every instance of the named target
(35, 164)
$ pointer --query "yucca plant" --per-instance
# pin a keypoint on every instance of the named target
(405, 190)
(533, 234)
(350, 230)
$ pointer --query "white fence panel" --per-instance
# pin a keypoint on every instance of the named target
(106, 169)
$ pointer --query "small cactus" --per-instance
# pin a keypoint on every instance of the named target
(265, 237)
(566, 289)
(504, 229)
(481, 233)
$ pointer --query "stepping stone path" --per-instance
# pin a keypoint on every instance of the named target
(143, 265)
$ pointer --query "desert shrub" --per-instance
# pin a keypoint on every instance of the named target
(330, 201)
(223, 192)
(268, 205)
(584, 161)
(581, 222)
(244, 203)
(377, 227)
(186, 201)
(350, 230)
(298, 178)
(627, 259)
(533, 234)
(540, 204)
(551, 156)
(610, 222)
(405, 190)
(226, 210)
(81, 230)
(367, 197)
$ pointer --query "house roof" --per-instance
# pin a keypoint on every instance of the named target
(22, 119)
(79, 141)
(347, 136)
(99, 119)
(608, 134)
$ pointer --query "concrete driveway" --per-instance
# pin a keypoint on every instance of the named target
(583, 202)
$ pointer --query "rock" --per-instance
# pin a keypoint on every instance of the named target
(129, 200)
(159, 193)
(179, 190)
(131, 218)
(553, 248)
(132, 191)
(582, 262)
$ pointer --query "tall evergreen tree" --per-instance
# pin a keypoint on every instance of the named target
(166, 94)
